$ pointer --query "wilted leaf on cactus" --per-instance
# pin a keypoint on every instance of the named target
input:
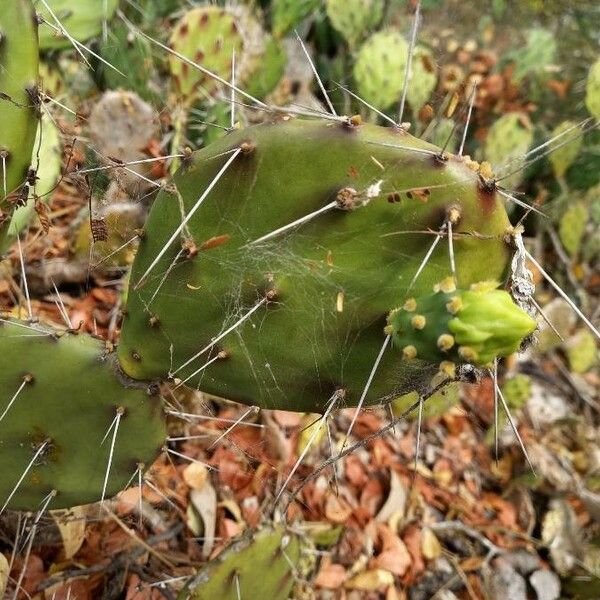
(562, 157)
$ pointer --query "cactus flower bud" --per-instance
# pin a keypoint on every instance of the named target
(469, 326)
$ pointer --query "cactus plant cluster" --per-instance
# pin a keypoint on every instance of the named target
(274, 269)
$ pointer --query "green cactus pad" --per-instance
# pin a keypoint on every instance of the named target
(460, 326)
(354, 19)
(536, 56)
(326, 286)
(380, 68)
(572, 227)
(70, 393)
(47, 155)
(262, 564)
(207, 35)
(18, 97)
(564, 156)
(82, 20)
(592, 91)
(507, 141)
(287, 14)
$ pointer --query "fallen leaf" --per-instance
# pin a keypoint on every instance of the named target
(337, 509)
(205, 502)
(3, 574)
(71, 525)
(371, 581)
(330, 575)
(430, 545)
(195, 475)
(396, 500)
(394, 556)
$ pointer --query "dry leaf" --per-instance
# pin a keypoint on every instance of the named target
(71, 525)
(205, 503)
(430, 545)
(337, 509)
(371, 581)
(3, 574)
(394, 556)
(330, 576)
(195, 475)
(396, 500)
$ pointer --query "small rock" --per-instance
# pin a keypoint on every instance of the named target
(545, 408)
(546, 585)
(504, 582)
(524, 562)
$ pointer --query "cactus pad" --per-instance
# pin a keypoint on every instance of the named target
(286, 14)
(572, 227)
(59, 400)
(207, 35)
(319, 292)
(355, 18)
(592, 95)
(380, 67)
(450, 325)
(260, 564)
(507, 141)
(562, 158)
(82, 20)
(18, 98)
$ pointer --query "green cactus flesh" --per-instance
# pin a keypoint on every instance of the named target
(18, 98)
(80, 20)
(59, 401)
(320, 292)
(261, 564)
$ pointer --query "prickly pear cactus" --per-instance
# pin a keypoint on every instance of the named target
(290, 319)
(354, 19)
(592, 91)
(82, 20)
(537, 55)
(563, 157)
(572, 227)
(287, 14)
(71, 424)
(18, 100)
(209, 36)
(507, 141)
(262, 563)
(380, 67)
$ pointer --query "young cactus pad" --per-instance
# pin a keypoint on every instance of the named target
(451, 325)
(261, 564)
(18, 98)
(62, 399)
(82, 20)
(290, 319)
